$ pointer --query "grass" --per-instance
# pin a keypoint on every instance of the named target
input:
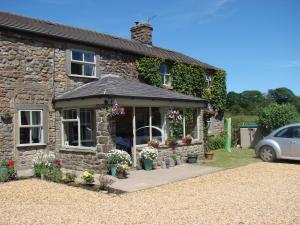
(238, 157)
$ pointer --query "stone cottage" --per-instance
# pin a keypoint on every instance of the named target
(58, 85)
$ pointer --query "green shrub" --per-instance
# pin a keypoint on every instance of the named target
(70, 177)
(55, 174)
(4, 177)
(217, 142)
(275, 116)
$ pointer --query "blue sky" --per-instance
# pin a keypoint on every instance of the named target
(256, 41)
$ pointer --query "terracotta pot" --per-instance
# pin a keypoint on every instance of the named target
(209, 155)
(154, 145)
(188, 141)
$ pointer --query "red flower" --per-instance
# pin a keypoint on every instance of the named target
(57, 162)
(10, 163)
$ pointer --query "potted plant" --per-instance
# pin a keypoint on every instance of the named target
(187, 139)
(153, 143)
(148, 154)
(122, 171)
(209, 155)
(88, 177)
(115, 157)
(69, 177)
(192, 156)
(3, 167)
(172, 142)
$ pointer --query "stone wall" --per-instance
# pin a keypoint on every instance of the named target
(165, 152)
(217, 125)
(34, 69)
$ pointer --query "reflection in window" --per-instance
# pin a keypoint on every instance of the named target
(30, 127)
(191, 122)
(71, 128)
(142, 125)
(83, 63)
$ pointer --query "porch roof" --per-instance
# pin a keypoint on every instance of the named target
(114, 86)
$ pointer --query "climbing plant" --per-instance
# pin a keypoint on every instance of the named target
(218, 91)
(186, 79)
(148, 68)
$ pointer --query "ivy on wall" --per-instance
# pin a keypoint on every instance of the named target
(148, 68)
(218, 91)
(186, 79)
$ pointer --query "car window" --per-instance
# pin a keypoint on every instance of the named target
(285, 133)
(296, 132)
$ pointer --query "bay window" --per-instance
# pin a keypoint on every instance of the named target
(78, 127)
(83, 63)
(30, 127)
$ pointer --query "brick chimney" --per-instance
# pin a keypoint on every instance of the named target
(142, 32)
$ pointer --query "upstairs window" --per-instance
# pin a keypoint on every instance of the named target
(83, 63)
(165, 75)
(208, 80)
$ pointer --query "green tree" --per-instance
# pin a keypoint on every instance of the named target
(275, 116)
(296, 103)
(281, 95)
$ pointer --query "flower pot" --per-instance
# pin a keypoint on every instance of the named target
(113, 170)
(192, 159)
(188, 141)
(3, 170)
(148, 164)
(209, 155)
(122, 175)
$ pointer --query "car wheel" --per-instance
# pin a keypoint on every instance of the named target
(267, 154)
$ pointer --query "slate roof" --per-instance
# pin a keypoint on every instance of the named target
(114, 86)
(42, 27)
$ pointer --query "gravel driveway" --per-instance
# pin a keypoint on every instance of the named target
(260, 193)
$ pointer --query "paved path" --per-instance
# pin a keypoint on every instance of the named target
(141, 179)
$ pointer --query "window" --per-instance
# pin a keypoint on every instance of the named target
(189, 125)
(30, 127)
(191, 116)
(209, 124)
(208, 80)
(296, 132)
(164, 75)
(149, 123)
(83, 63)
(285, 133)
(78, 127)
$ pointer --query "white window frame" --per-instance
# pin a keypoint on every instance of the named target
(30, 126)
(208, 79)
(209, 126)
(165, 126)
(79, 129)
(164, 76)
(82, 63)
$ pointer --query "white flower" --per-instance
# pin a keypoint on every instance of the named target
(149, 153)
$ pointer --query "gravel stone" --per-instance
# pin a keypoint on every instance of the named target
(260, 193)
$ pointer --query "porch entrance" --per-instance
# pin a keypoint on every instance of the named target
(124, 134)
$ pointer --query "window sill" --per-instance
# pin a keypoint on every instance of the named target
(82, 76)
(30, 145)
(167, 86)
(74, 149)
